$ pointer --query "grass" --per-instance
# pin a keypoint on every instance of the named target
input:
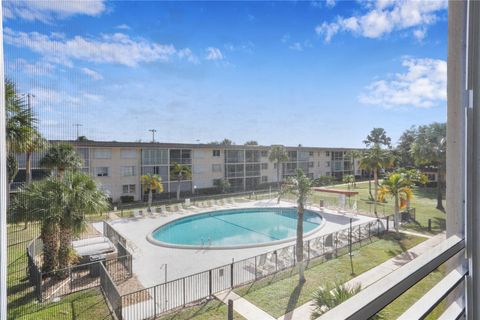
(22, 302)
(281, 293)
(210, 310)
(400, 305)
(424, 201)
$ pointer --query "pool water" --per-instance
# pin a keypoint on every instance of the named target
(236, 227)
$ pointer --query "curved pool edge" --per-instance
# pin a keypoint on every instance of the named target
(229, 247)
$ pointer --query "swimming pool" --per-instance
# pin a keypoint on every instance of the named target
(234, 228)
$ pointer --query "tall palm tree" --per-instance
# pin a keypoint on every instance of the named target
(330, 296)
(81, 197)
(349, 180)
(35, 143)
(151, 182)
(61, 157)
(278, 154)
(20, 122)
(429, 148)
(374, 160)
(181, 172)
(399, 187)
(299, 186)
(42, 201)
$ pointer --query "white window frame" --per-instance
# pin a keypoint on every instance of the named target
(128, 154)
(123, 171)
(102, 153)
(96, 172)
(216, 167)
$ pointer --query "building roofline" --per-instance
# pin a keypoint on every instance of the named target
(130, 144)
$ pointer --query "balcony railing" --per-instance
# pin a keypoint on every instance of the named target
(377, 296)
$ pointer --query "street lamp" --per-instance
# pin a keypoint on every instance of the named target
(153, 134)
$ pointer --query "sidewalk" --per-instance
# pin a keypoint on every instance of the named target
(243, 307)
(373, 275)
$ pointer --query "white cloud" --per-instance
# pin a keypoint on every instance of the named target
(214, 54)
(297, 46)
(330, 3)
(123, 26)
(423, 85)
(385, 16)
(188, 55)
(92, 74)
(93, 97)
(420, 34)
(36, 68)
(47, 11)
(117, 48)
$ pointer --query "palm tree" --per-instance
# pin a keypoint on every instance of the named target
(349, 180)
(20, 122)
(399, 187)
(151, 182)
(300, 186)
(330, 296)
(429, 148)
(42, 200)
(35, 143)
(278, 154)
(81, 197)
(181, 172)
(374, 160)
(61, 157)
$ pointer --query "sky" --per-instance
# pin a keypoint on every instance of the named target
(315, 73)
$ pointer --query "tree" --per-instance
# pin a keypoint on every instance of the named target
(223, 185)
(299, 186)
(81, 197)
(378, 138)
(399, 187)
(83, 139)
(43, 201)
(429, 148)
(151, 182)
(61, 157)
(20, 122)
(227, 142)
(181, 172)
(373, 160)
(35, 143)
(278, 154)
(330, 296)
(349, 180)
(352, 155)
(403, 150)
(251, 143)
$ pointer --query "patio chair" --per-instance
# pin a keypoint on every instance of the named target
(163, 209)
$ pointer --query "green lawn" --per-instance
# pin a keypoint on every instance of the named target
(279, 294)
(211, 310)
(424, 201)
(22, 303)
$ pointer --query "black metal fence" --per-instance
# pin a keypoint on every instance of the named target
(150, 302)
(110, 290)
(77, 277)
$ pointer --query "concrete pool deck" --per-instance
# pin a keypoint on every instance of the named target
(149, 260)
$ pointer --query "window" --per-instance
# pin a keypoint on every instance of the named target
(101, 171)
(216, 167)
(128, 154)
(154, 156)
(319, 163)
(275, 165)
(311, 164)
(264, 166)
(103, 153)
(311, 153)
(216, 153)
(234, 156)
(264, 153)
(327, 153)
(310, 175)
(328, 163)
(127, 171)
(264, 179)
(128, 188)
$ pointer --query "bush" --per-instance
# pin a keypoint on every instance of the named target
(126, 199)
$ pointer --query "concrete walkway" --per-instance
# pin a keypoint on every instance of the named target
(373, 275)
(243, 307)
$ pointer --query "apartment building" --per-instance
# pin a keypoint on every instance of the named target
(117, 166)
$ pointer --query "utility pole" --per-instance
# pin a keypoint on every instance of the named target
(153, 134)
(78, 125)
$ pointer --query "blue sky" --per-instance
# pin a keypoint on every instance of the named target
(305, 72)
